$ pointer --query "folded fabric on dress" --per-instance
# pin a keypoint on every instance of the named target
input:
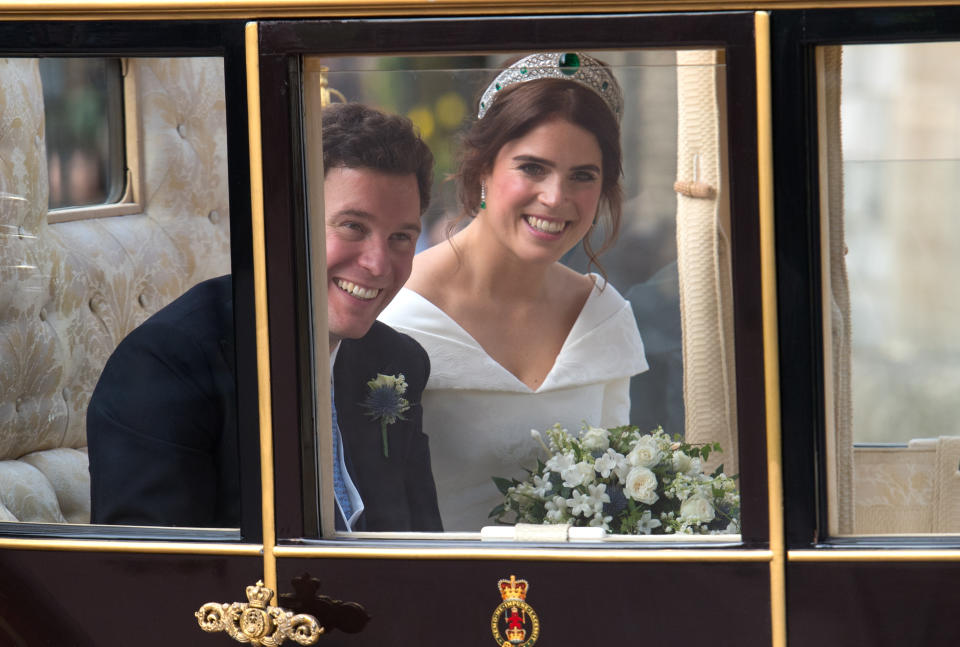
(478, 415)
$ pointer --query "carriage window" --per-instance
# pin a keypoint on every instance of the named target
(571, 379)
(92, 137)
(890, 145)
(72, 291)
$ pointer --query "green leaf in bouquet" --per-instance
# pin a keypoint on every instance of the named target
(503, 484)
(557, 482)
(497, 512)
(537, 512)
(717, 472)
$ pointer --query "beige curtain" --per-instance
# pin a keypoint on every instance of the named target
(836, 296)
(703, 256)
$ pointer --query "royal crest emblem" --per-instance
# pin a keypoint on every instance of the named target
(514, 622)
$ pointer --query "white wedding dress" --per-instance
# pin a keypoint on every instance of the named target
(478, 415)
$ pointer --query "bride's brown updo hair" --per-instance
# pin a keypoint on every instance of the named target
(520, 108)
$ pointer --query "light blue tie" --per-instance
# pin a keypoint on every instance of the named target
(339, 485)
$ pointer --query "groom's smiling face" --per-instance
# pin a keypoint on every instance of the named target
(372, 222)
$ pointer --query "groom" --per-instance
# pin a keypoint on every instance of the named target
(161, 424)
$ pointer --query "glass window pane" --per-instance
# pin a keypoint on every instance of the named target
(144, 434)
(484, 395)
(84, 130)
(894, 239)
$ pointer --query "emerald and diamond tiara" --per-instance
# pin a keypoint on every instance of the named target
(570, 66)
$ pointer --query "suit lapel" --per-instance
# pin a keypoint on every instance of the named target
(355, 427)
(380, 481)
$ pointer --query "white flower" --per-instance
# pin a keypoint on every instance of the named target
(695, 468)
(524, 490)
(646, 523)
(646, 453)
(578, 474)
(599, 495)
(697, 509)
(559, 462)
(681, 462)
(558, 437)
(537, 436)
(595, 439)
(641, 485)
(556, 509)
(600, 520)
(610, 462)
(580, 503)
(622, 470)
(541, 484)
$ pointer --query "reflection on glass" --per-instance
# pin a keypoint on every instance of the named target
(517, 343)
(70, 292)
(900, 149)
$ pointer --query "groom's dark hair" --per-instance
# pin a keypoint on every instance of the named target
(358, 136)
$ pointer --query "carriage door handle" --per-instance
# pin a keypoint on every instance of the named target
(256, 622)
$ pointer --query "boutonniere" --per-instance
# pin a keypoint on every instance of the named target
(385, 402)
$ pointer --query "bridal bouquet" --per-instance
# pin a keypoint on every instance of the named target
(626, 481)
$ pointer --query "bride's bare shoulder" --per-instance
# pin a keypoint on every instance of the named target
(573, 284)
(429, 269)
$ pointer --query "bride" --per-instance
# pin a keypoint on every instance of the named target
(518, 341)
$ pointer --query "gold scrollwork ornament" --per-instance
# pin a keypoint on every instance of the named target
(256, 623)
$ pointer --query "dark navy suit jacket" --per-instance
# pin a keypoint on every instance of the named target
(162, 432)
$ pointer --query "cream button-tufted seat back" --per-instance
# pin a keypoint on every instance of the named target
(908, 490)
(69, 292)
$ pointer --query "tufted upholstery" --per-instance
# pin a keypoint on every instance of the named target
(69, 292)
(908, 490)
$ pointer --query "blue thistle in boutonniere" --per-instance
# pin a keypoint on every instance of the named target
(385, 402)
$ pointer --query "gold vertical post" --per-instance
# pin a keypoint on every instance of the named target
(771, 365)
(260, 304)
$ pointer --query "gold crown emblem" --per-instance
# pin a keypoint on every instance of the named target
(259, 595)
(516, 635)
(513, 589)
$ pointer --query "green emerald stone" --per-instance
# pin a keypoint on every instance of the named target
(523, 70)
(569, 63)
(498, 86)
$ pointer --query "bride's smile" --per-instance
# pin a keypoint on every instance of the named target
(546, 225)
